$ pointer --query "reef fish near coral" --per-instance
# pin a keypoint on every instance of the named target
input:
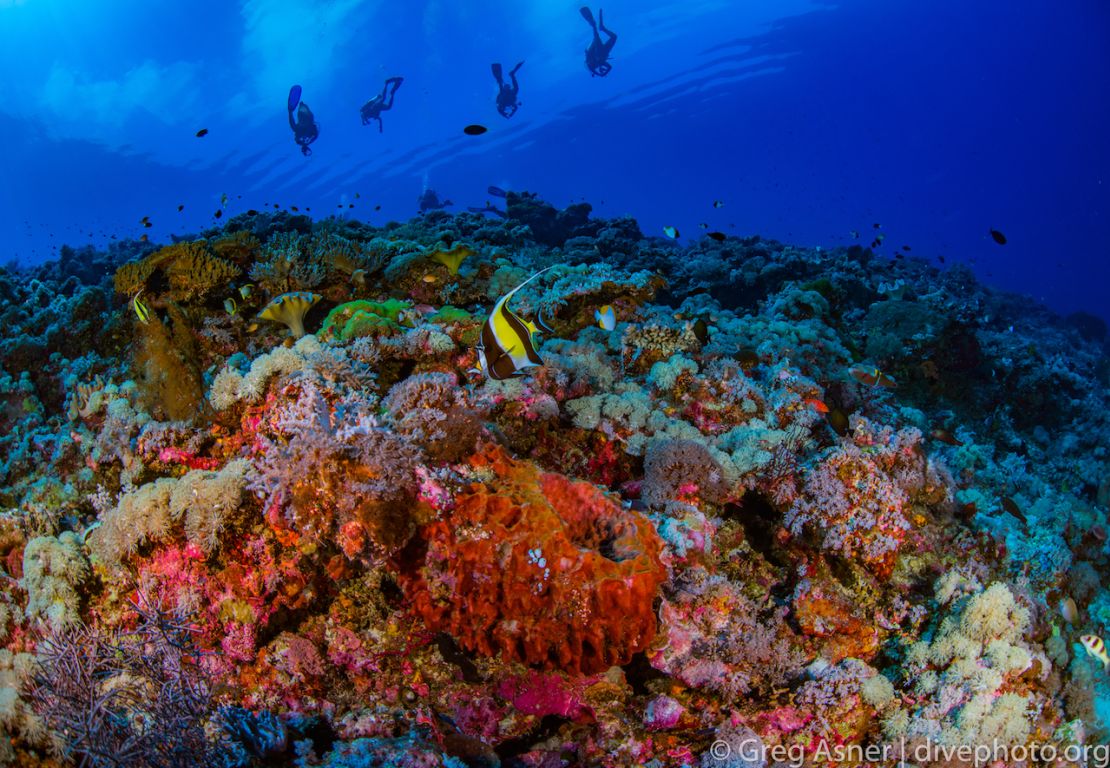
(141, 310)
(507, 347)
(606, 317)
(1096, 648)
(872, 377)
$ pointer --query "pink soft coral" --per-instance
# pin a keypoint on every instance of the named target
(858, 495)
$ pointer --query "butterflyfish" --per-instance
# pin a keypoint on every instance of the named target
(606, 317)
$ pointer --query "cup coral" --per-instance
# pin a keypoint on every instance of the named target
(290, 309)
(453, 258)
(539, 568)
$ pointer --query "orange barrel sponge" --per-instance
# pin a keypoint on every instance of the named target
(535, 567)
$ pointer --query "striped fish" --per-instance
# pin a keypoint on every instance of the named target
(1096, 648)
(507, 347)
(141, 310)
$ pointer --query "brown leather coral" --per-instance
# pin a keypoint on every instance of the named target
(536, 567)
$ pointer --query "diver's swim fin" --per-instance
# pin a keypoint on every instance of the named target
(396, 82)
(588, 15)
(496, 69)
(294, 97)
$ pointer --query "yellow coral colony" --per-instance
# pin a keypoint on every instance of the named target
(290, 309)
(453, 258)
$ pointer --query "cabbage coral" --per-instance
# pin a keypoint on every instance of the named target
(290, 309)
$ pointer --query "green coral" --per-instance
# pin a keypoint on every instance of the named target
(448, 315)
(356, 319)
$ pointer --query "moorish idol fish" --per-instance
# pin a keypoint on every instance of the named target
(141, 310)
(507, 347)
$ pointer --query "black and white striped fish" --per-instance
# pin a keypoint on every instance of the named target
(508, 346)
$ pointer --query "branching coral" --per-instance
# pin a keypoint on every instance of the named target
(535, 567)
(432, 410)
(331, 473)
(857, 497)
(287, 266)
(719, 640)
(126, 698)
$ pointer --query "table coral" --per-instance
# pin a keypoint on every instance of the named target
(539, 568)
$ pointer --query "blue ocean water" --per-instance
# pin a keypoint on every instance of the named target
(810, 120)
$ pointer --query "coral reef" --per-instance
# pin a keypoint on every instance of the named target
(809, 499)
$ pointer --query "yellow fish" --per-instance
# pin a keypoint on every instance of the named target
(245, 290)
(1097, 649)
(507, 347)
(606, 317)
(230, 306)
(1069, 610)
(141, 310)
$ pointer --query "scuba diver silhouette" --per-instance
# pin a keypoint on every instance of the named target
(507, 104)
(372, 110)
(429, 201)
(305, 130)
(597, 55)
